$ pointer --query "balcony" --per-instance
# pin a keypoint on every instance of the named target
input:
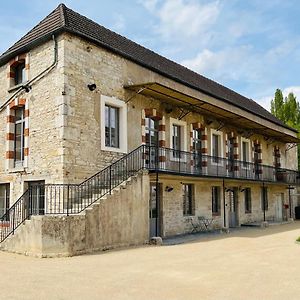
(196, 164)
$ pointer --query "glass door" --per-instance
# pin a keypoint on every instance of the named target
(197, 150)
(151, 127)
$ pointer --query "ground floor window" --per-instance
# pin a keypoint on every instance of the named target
(264, 198)
(4, 198)
(188, 199)
(248, 206)
(216, 200)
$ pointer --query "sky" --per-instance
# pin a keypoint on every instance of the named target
(250, 46)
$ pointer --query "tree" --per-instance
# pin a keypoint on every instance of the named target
(288, 111)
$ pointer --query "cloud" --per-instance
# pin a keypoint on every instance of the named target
(266, 101)
(119, 23)
(231, 63)
(183, 19)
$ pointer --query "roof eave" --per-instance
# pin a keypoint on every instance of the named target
(5, 58)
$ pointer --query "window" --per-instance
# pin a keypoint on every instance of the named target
(112, 126)
(176, 140)
(151, 128)
(19, 136)
(216, 147)
(245, 154)
(19, 73)
(188, 199)
(197, 140)
(247, 194)
(4, 198)
(264, 198)
(216, 200)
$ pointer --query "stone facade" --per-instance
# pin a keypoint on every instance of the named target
(65, 130)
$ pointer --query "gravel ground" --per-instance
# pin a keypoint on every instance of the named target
(245, 264)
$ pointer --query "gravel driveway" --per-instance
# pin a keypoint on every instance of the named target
(246, 264)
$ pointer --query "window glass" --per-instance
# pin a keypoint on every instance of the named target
(19, 71)
(19, 136)
(215, 147)
(216, 199)
(247, 194)
(188, 199)
(111, 126)
(176, 139)
(245, 153)
(264, 198)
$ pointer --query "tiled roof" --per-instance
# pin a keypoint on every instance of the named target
(65, 19)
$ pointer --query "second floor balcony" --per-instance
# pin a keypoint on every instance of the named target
(179, 162)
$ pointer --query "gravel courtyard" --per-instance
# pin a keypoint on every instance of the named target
(245, 264)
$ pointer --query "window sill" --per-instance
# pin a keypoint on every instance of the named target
(113, 149)
(15, 87)
(216, 214)
(17, 169)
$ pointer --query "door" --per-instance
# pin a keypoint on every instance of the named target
(279, 208)
(231, 157)
(256, 161)
(36, 197)
(197, 150)
(151, 128)
(233, 207)
(154, 210)
(4, 198)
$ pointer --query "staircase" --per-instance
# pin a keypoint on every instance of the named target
(72, 199)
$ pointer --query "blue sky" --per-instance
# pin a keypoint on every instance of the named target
(250, 46)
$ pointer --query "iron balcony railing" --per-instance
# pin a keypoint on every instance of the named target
(197, 164)
(74, 198)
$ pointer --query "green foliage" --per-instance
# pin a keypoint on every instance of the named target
(288, 111)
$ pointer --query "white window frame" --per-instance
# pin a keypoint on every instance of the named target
(112, 101)
(219, 133)
(242, 152)
(183, 132)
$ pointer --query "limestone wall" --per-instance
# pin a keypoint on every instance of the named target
(174, 222)
(45, 104)
(118, 220)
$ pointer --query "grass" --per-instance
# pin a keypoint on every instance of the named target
(298, 239)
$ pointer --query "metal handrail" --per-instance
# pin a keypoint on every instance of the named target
(74, 198)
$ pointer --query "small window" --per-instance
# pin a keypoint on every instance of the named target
(248, 204)
(188, 199)
(19, 136)
(264, 198)
(19, 73)
(111, 126)
(216, 200)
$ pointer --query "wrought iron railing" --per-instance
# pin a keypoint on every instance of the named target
(202, 165)
(15, 216)
(74, 198)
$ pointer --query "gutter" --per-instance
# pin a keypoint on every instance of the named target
(26, 86)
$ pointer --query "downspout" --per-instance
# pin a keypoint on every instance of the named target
(224, 204)
(27, 84)
(264, 201)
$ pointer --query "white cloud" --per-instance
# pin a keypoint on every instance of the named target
(149, 4)
(266, 101)
(119, 22)
(183, 19)
(232, 63)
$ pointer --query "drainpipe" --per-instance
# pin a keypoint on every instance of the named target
(157, 187)
(290, 202)
(224, 204)
(27, 84)
(264, 201)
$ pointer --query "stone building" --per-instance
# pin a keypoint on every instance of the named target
(105, 143)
